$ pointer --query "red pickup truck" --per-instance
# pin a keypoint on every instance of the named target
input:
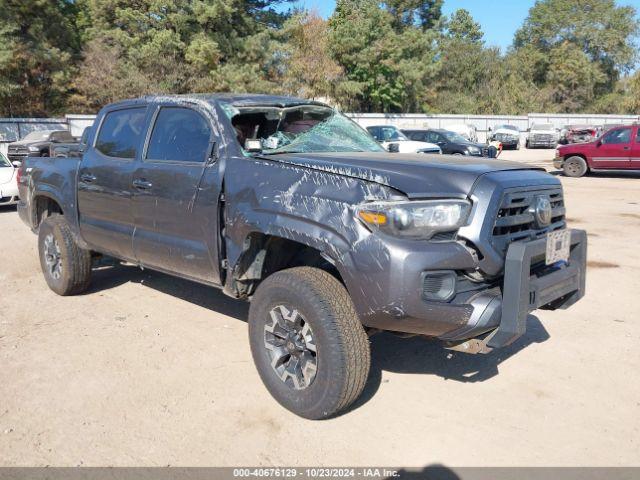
(617, 149)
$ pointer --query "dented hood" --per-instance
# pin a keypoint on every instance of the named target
(416, 175)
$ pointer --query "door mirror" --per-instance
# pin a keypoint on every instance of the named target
(393, 148)
(599, 143)
(16, 164)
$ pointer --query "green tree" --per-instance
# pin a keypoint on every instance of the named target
(462, 26)
(572, 79)
(39, 42)
(406, 13)
(463, 63)
(602, 30)
(308, 69)
(180, 46)
(387, 67)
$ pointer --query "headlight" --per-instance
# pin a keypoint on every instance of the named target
(473, 150)
(419, 219)
(33, 149)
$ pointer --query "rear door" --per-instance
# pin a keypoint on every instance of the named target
(417, 136)
(613, 150)
(104, 181)
(177, 186)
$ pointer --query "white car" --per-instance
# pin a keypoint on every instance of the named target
(542, 135)
(467, 131)
(8, 182)
(392, 139)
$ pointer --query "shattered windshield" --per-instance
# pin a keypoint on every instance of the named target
(300, 129)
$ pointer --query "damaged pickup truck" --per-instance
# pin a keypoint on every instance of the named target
(289, 204)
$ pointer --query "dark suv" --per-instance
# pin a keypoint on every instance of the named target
(450, 143)
(38, 144)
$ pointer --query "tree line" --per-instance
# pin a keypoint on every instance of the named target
(368, 56)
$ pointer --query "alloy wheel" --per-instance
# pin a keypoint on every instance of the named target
(291, 347)
(53, 256)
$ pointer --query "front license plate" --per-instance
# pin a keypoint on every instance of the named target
(558, 246)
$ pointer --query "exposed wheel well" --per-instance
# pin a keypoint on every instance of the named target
(45, 207)
(264, 255)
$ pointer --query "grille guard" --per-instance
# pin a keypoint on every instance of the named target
(524, 292)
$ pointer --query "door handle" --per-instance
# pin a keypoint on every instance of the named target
(88, 178)
(626, 148)
(142, 184)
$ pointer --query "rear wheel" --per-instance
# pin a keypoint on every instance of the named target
(66, 266)
(575, 167)
(307, 342)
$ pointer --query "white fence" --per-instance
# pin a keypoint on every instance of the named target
(12, 129)
(484, 122)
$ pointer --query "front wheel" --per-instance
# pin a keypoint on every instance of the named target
(66, 266)
(307, 342)
(575, 167)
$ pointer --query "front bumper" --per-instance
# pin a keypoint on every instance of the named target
(542, 143)
(489, 317)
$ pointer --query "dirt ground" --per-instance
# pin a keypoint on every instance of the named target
(149, 370)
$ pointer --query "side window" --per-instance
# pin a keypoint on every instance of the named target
(622, 135)
(179, 135)
(432, 137)
(61, 137)
(375, 132)
(638, 136)
(121, 132)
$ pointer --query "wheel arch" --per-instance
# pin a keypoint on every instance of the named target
(264, 254)
(44, 204)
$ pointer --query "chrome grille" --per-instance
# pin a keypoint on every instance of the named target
(542, 137)
(516, 222)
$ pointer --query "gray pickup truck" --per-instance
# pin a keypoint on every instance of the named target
(289, 204)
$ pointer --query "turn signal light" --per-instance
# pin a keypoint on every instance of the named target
(373, 218)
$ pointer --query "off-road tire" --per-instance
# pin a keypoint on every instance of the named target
(75, 274)
(343, 353)
(575, 167)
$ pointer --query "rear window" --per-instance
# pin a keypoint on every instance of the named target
(121, 132)
(62, 136)
(179, 135)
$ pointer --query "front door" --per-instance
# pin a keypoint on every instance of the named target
(613, 150)
(635, 151)
(176, 190)
(104, 182)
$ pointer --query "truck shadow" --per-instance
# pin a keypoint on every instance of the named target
(7, 209)
(416, 355)
(420, 356)
(111, 274)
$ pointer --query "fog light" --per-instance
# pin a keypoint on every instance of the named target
(438, 286)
